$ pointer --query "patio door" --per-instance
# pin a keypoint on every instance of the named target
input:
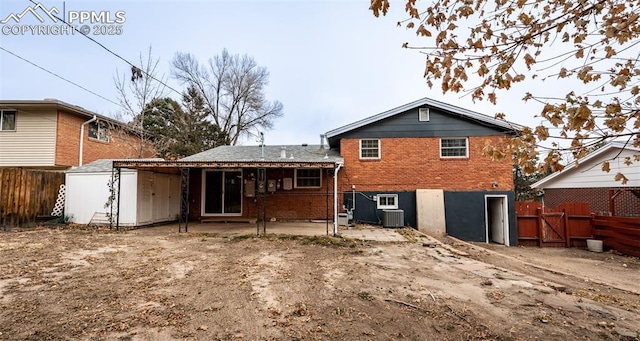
(222, 192)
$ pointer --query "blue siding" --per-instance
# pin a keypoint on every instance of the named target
(464, 212)
(366, 211)
(407, 124)
(465, 215)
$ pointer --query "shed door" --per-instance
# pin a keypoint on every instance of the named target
(145, 198)
(160, 195)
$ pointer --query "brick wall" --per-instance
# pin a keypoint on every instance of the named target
(122, 145)
(626, 203)
(407, 164)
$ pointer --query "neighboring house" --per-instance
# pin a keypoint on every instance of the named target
(47, 133)
(585, 181)
(53, 136)
(424, 158)
(145, 197)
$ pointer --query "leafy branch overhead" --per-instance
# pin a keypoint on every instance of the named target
(589, 49)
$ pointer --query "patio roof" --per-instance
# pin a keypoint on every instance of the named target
(298, 156)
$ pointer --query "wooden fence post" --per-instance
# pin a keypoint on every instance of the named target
(539, 213)
(567, 230)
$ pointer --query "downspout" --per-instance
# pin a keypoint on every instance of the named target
(82, 138)
(335, 199)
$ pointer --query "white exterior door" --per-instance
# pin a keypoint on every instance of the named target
(145, 198)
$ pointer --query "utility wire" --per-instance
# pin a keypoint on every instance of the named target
(113, 53)
(57, 75)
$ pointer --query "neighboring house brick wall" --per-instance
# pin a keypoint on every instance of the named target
(410, 163)
(626, 203)
(122, 145)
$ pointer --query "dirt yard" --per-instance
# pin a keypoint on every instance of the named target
(75, 284)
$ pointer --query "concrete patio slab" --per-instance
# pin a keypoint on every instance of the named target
(300, 228)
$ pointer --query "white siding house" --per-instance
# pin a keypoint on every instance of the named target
(588, 173)
(145, 197)
(32, 142)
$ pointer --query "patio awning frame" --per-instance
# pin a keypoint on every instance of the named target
(181, 166)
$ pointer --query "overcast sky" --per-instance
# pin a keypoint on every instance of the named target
(330, 62)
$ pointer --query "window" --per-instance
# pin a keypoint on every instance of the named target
(455, 147)
(369, 149)
(99, 131)
(7, 120)
(423, 115)
(387, 201)
(308, 178)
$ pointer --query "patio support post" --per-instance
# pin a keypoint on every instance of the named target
(327, 201)
(118, 211)
(112, 197)
(335, 198)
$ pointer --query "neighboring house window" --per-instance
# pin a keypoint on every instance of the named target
(387, 201)
(308, 178)
(423, 114)
(369, 149)
(7, 120)
(455, 147)
(99, 131)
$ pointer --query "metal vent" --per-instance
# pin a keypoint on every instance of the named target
(393, 218)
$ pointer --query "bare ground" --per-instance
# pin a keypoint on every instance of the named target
(76, 284)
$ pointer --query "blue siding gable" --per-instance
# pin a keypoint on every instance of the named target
(407, 124)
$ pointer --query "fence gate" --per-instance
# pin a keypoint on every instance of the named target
(564, 226)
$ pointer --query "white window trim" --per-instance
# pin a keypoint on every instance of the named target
(103, 126)
(369, 158)
(387, 207)
(420, 118)
(15, 116)
(466, 144)
(295, 178)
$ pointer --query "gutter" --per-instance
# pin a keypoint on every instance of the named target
(82, 138)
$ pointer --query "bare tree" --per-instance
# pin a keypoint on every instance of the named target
(135, 90)
(232, 87)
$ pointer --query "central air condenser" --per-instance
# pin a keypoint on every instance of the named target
(393, 218)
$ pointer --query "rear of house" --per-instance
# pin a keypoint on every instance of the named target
(425, 158)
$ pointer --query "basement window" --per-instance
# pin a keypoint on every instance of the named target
(99, 131)
(308, 178)
(454, 148)
(370, 149)
(8, 120)
(387, 201)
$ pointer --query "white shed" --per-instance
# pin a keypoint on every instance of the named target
(145, 197)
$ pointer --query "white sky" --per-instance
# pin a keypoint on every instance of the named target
(330, 62)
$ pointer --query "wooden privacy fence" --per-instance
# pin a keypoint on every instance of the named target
(26, 194)
(567, 225)
(618, 233)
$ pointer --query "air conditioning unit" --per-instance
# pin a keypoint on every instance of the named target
(393, 218)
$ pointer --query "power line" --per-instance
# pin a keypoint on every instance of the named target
(113, 53)
(57, 75)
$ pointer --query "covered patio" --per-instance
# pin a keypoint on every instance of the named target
(248, 184)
